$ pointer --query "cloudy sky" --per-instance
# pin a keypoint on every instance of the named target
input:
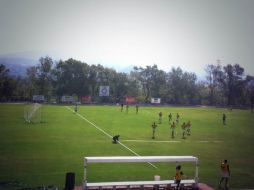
(122, 33)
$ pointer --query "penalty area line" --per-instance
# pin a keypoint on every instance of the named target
(147, 141)
(151, 141)
(104, 132)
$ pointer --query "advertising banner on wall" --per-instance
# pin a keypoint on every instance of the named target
(38, 98)
(130, 100)
(86, 99)
(66, 99)
(104, 91)
(155, 100)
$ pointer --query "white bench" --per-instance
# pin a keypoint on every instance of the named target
(140, 184)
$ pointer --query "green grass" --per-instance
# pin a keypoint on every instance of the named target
(41, 154)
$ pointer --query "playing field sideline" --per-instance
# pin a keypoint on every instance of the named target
(42, 153)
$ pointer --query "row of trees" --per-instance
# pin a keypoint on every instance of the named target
(223, 85)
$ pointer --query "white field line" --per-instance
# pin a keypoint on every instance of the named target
(151, 141)
(217, 141)
(82, 117)
(146, 141)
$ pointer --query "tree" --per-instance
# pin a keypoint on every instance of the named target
(44, 70)
(120, 87)
(151, 80)
(92, 79)
(7, 84)
(32, 81)
(72, 78)
(213, 74)
(232, 83)
(181, 87)
(250, 90)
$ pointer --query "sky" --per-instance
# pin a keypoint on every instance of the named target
(122, 33)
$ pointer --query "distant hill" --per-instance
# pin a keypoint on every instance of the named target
(18, 62)
(16, 65)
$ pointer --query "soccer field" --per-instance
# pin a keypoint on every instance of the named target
(41, 154)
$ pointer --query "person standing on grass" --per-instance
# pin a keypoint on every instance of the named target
(224, 117)
(173, 127)
(177, 118)
(154, 126)
(76, 108)
(137, 108)
(160, 117)
(225, 173)
(184, 130)
(188, 128)
(169, 117)
(178, 176)
(127, 107)
(121, 107)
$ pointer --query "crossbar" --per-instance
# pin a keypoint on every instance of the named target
(119, 159)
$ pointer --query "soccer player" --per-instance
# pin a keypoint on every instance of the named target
(184, 128)
(127, 107)
(121, 107)
(137, 108)
(169, 117)
(173, 126)
(76, 108)
(178, 176)
(154, 126)
(188, 128)
(225, 173)
(160, 117)
(224, 118)
(177, 118)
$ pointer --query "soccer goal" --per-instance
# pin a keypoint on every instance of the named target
(32, 113)
(141, 184)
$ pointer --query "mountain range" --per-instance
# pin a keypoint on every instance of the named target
(17, 63)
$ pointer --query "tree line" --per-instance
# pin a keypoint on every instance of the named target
(223, 86)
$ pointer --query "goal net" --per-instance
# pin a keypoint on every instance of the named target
(32, 113)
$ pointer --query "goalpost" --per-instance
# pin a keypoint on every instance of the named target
(148, 159)
(32, 113)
